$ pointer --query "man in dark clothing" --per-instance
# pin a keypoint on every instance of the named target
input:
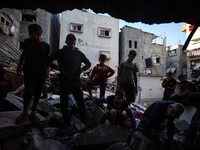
(169, 84)
(185, 89)
(69, 60)
(33, 58)
(159, 115)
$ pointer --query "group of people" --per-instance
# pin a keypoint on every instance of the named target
(36, 59)
(188, 95)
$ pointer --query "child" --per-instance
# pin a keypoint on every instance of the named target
(100, 73)
(116, 104)
(127, 77)
(33, 58)
(69, 59)
(170, 85)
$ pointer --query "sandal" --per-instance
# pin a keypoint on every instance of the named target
(20, 119)
(34, 119)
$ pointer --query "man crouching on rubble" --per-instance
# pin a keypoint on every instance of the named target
(33, 58)
(159, 115)
(69, 60)
(116, 104)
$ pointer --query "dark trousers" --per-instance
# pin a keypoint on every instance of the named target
(129, 91)
(102, 85)
(74, 87)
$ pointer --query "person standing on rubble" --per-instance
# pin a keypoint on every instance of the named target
(170, 85)
(157, 117)
(127, 77)
(33, 58)
(69, 60)
(100, 73)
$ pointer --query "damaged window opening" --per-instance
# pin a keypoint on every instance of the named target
(135, 44)
(156, 59)
(28, 16)
(104, 32)
(130, 44)
(74, 27)
(5, 19)
(172, 52)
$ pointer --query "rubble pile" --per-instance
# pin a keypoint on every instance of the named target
(52, 134)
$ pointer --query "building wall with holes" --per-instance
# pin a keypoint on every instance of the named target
(17, 22)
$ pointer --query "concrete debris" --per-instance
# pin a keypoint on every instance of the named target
(94, 114)
(50, 132)
(78, 125)
(181, 126)
(39, 143)
(103, 134)
(12, 103)
(44, 106)
(120, 146)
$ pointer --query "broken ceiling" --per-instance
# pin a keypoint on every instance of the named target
(145, 11)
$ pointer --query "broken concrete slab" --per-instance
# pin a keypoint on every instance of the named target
(39, 143)
(44, 106)
(78, 125)
(181, 126)
(50, 132)
(12, 144)
(94, 114)
(120, 146)
(189, 111)
(8, 128)
(12, 102)
(103, 134)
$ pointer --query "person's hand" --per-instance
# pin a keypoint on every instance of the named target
(144, 138)
(19, 69)
(136, 135)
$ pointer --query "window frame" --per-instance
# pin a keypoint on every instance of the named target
(104, 29)
(156, 57)
(75, 24)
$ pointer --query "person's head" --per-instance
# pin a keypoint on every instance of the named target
(71, 41)
(193, 99)
(131, 55)
(102, 59)
(35, 31)
(175, 110)
(182, 78)
(119, 96)
(170, 75)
